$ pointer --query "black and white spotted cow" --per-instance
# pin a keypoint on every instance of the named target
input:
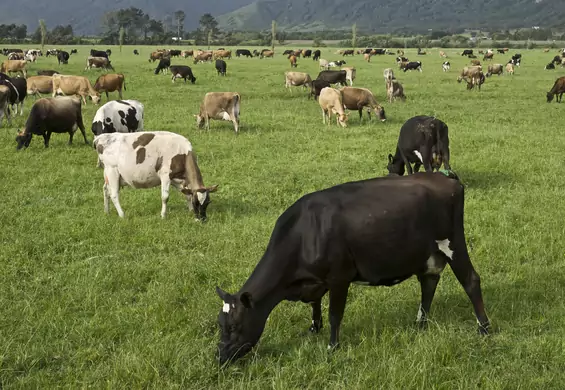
(414, 65)
(118, 116)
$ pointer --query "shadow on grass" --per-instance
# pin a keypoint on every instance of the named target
(485, 179)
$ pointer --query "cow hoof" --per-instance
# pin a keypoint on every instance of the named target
(422, 325)
(333, 347)
(315, 327)
(484, 329)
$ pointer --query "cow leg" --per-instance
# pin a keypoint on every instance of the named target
(428, 284)
(407, 164)
(120, 93)
(108, 97)
(112, 185)
(323, 116)
(235, 122)
(426, 160)
(71, 135)
(165, 186)
(316, 316)
(445, 157)
(361, 114)
(46, 138)
(338, 298)
(417, 167)
(82, 130)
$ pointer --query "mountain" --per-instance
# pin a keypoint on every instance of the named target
(395, 15)
(85, 15)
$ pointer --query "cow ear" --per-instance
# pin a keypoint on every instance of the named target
(213, 188)
(246, 300)
(222, 294)
(390, 158)
(186, 191)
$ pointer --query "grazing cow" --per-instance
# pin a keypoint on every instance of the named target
(288, 52)
(510, 69)
(164, 64)
(475, 62)
(47, 72)
(110, 83)
(333, 76)
(306, 53)
(557, 90)
(174, 53)
(297, 79)
(202, 57)
(98, 53)
(331, 101)
(467, 52)
(37, 85)
(316, 55)
(549, 66)
(221, 67)
(335, 64)
(468, 71)
(501, 51)
(98, 62)
(359, 98)
(51, 52)
(30, 57)
(219, 105)
(4, 104)
(423, 140)
(14, 66)
(446, 66)
(135, 52)
(488, 56)
(297, 53)
(35, 52)
(394, 90)
(494, 69)
(375, 232)
(379, 51)
(256, 53)
(18, 92)
(516, 60)
(150, 159)
(222, 54)
(74, 85)
(16, 56)
(348, 53)
(472, 56)
(367, 57)
(477, 79)
(109, 52)
(52, 115)
(317, 86)
(400, 59)
(74, 51)
(63, 57)
(118, 116)
(182, 72)
(243, 52)
(267, 54)
(415, 65)
(292, 60)
(351, 73)
(556, 60)
(324, 64)
(156, 55)
(442, 54)
(187, 53)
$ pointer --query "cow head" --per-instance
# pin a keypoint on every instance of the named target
(380, 112)
(342, 119)
(200, 199)
(241, 325)
(95, 98)
(23, 139)
(199, 121)
(395, 165)
(549, 97)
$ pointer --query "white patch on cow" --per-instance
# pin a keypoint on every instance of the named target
(434, 267)
(226, 308)
(226, 116)
(201, 197)
(419, 155)
(420, 314)
(444, 247)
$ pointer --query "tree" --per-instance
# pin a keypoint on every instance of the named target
(121, 38)
(354, 35)
(273, 34)
(43, 32)
(179, 19)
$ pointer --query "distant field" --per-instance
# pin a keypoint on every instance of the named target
(89, 300)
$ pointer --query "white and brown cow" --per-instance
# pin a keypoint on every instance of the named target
(150, 159)
(118, 116)
(219, 105)
(297, 79)
(330, 101)
(99, 63)
(74, 85)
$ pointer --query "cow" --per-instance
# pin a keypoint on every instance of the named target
(421, 52)
(4, 104)
(494, 69)
(442, 54)
(182, 72)
(174, 53)
(375, 232)
(243, 52)
(306, 53)
(475, 63)
(394, 90)
(501, 51)
(288, 52)
(423, 140)
(74, 51)
(30, 57)
(16, 56)
(297, 79)
(348, 52)
(52, 115)
(163, 66)
(150, 159)
(292, 60)
(18, 92)
(515, 60)
(109, 52)
(316, 55)
(388, 74)
(187, 53)
(74, 85)
(468, 71)
(63, 57)
(118, 116)
(222, 54)
(47, 72)
(400, 59)
(351, 73)
(99, 53)
(156, 55)
(14, 66)
(317, 86)
(414, 65)
(37, 85)
(219, 105)
(110, 83)
(563, 63)
(335, 64)
(549, 66)
(98, 62)
(488, 56)
(135, 52)
(556, 60)
(467, 52)
(359, 98)
(35, 52)
(477, 79)
(557, 90)
(267, 54)
(333, 76)
(202, 57)
(379, 51)
(367, 57)
(446, 66)
(324, 64)
(297, 53)
(330, 100)
(510, 68)
(221, 67)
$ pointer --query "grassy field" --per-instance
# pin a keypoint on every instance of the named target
(90, 300)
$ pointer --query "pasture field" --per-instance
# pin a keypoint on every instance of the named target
(90, 300)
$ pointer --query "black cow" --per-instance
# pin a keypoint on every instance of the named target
(74, 51)
(549, 66)
(221, 67)
(316, 55)
(556, 60)
(98, 53)
(423, 140)
(333, 76)
(367, 51)
(348, 52)
(307, 54)
(182, 72)
(63, 57)
(164, 64)
(288, 52)
(414, 65)
(515, 60)
(46, 72)
(135, 52)
(109, 52)
(243, 52)
(380, 51)
(18, 91)
(256, 53)
(467, 52)
(174, 53)
(317, 86)
(501, 51)
(401, 59)
(376, 232)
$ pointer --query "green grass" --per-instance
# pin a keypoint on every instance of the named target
(90, 300)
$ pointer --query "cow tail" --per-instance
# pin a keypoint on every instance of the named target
(124, 83)
(236, 103)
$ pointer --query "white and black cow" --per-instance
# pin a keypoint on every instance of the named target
(446, 66)
(414, 65)
(118, 116)
(182, 72)
(376, 232)
(18, 91)
(333, 76)
(150, 159)
(423, 140)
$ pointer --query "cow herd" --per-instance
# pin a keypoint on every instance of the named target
(374, 232)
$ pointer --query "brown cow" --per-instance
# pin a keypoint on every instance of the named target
(4, 104)
(330, 101)
(74, 85)
(367, 57)
(297, 79)
(14, 66)
(202, 57)
(110, 83)
(489, 55)
(359, 98)
(442, 54)
(217, 54)
(468, 71)
(475, 62)
(219, 105)
(98, 62)
(156, 55)
(510, 68)
(292, 60)
(494, 69)
(37, 85)
(267, 53)
(187, 53)
(394, 90)
(557, 89)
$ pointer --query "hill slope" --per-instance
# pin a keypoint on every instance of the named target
(85, 15)
(395, 15)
